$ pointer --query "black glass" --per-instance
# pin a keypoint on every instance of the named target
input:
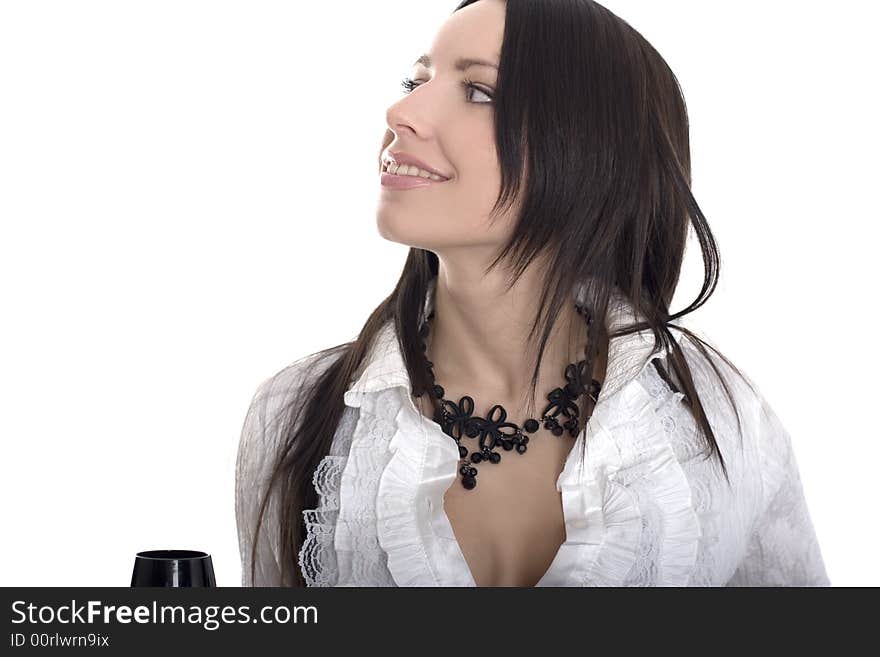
(173, 568)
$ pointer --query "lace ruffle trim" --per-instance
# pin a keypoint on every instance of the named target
(633, 451)
(421, 468)
(317, 558)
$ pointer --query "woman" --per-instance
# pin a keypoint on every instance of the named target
(518, 411)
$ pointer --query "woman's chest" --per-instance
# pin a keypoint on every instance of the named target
(510, 526)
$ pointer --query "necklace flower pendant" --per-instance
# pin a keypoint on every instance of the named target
(458, 420)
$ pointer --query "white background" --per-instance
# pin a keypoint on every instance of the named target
(187, 198)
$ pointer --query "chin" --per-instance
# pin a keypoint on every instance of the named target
(395, 230)
(387, 229)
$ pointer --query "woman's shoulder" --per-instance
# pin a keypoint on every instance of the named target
(760, 421)
(275, 393)
(707, 361)
(270, 408)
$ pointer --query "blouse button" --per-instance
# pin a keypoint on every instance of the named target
(668, 423)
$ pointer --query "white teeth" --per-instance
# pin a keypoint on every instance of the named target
(410, 170)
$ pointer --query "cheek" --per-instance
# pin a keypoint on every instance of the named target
(479, 191)
(479, 180)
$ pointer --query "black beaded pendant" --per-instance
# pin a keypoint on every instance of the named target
(458, 420)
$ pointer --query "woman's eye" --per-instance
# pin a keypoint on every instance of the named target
(408, 84)
(470, 86)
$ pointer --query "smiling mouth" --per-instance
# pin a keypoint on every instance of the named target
(411, 171)
(394, 181)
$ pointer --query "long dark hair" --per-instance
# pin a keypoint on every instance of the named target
(600, 156)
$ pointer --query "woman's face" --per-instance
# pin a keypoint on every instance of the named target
(450, 128)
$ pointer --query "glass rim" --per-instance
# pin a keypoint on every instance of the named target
(173, 555)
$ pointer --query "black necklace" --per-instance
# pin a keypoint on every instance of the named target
(457, 419)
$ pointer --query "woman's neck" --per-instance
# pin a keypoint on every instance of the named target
(486, 347)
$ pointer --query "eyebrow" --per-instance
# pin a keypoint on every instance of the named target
(461, 64)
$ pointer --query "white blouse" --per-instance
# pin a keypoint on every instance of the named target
(649, 508)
